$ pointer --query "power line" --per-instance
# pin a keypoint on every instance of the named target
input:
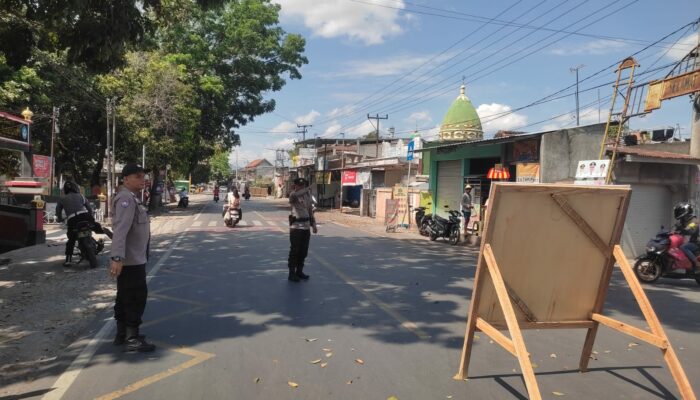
(477, 18)
(441, 91)
(450, 47)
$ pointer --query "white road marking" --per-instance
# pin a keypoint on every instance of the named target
(196, 224)
(271, 223)
(212, 223)
(257, 223)
(68, 377)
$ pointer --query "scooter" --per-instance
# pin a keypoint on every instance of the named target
(445, 228)
(231, 217)
(184, 201)
(87, 247)
(423, 220)
(664, 257)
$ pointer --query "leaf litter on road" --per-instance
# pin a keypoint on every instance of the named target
(359, 361)
(329, 355)
(293, 384)
(323, 365)
(315, 361)
(558, 394)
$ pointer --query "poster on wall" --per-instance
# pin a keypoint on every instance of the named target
(527, 173)
(525, 151)
(349, 177)
(41, 166)
(592, 172)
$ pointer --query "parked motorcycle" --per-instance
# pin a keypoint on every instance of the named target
(449, 228)
(423, 220)
(664, 257)
(87, 247)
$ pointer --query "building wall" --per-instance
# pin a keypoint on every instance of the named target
(560, 151)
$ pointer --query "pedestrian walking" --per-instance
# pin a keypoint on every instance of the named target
(467, 205)
(129, 253)
(301, 223)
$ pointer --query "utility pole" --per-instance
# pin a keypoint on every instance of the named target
(143, 164)
(695, 125)
(303, 131)
(108, 154)
(575, 69)
(377, 118)
(54, 130)
(114, 142)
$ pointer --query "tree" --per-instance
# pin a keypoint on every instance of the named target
(220, 166)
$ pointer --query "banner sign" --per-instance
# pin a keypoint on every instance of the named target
(527, 173)
(349, 177)
(41, 166)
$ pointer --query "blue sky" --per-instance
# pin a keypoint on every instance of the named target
(406, 58)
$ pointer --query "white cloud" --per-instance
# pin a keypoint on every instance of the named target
(341, 111)
(287, 127)
(587, 116)
(284, 128)
(492, 119)
(389, 66)
(359, 130)
(595, 47)
(308, 118)
(332, 130)
(680, 49)
(418, 117)
(341, 18)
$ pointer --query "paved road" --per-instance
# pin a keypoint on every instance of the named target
(230, 326)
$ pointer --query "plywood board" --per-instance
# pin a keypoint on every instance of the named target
(548, 261)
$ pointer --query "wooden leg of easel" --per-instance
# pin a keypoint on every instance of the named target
(588, 347)
(511, 320)
(467, 348)
(471, 326)
(669, 355)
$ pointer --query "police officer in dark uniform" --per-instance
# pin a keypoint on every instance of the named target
(129, 256)
(77, 209)
(301, 222)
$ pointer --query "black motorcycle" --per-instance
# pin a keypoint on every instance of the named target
(423, 220)
(445, 228)
(87, 247)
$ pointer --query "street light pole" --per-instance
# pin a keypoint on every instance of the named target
(54, 116)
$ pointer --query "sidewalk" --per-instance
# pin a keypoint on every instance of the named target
(44, 306)
(374, 226)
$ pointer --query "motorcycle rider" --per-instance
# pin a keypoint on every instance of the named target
(77, 209)
(687, 225)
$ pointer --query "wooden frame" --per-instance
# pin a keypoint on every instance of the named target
(584, 221)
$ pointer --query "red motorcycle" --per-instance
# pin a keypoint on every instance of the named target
(664, 257)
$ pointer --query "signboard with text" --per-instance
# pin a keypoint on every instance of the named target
(349, 177)
(41, 166)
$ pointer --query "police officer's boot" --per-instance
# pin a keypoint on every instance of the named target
(120, 337)
(136, 342)
(69, 260)
(301, 274)
(292, 275)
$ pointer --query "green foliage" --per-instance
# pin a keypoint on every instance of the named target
(186, 75)
(220, 166)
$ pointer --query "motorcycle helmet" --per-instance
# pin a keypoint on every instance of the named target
(682, 210)
(70, 187)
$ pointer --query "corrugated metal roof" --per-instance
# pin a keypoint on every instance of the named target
(645, 152)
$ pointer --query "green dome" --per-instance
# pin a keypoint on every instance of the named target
(461, 121)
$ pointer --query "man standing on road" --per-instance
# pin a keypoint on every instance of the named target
(467, 204)
(129, 256)
(301, 221)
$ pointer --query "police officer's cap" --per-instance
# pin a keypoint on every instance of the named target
(301, 182)
(132, 168)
